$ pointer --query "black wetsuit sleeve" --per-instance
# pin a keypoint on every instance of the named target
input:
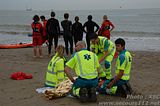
(70, 27)
(58, 28)
(83, 27)
(62, 24)
(73, 29)
(97, 27)
(47, 25)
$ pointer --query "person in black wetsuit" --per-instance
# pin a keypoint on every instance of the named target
(89, 25)
(53, 31)
(67, 33)
(77, 30)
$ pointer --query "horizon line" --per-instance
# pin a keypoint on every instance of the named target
(72, 9)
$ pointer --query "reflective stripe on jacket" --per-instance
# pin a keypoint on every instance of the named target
(86, 64)
(103, 45)
(55, 73)
(124, 62)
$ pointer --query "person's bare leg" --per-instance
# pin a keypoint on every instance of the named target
(35, 51)
(40, 51)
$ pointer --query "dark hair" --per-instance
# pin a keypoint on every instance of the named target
(93, 36)
(120, 41)
(66, 15)
(36, 18)
(89, 17)
(42, 17)
(53, 14)
(76, 18)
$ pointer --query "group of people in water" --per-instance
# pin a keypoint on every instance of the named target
(72, 33)
(88, 58)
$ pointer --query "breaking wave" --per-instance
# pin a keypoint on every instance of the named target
(26, 29)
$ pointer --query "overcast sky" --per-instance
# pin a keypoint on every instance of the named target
(77, 4)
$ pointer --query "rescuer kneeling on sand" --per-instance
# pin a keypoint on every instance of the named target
(86, 66)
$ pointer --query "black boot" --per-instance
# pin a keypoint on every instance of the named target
(92, 94)
(125, 90)
(83, 95)
(129, 88)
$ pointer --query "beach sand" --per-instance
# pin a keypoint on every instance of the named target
(144, 80)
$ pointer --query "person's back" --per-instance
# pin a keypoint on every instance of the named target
(53, 26)
(67, 33)
(55, 71)
(45, 36)
(67, 27)
(44, 26)
(84, 60)
(37, 28)
(86, 66)
(53, 31)
(106, 27)
(77, 30)
(88, 28)
(37, 36)
(90, 25)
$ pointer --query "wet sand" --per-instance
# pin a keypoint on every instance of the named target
(144, 80)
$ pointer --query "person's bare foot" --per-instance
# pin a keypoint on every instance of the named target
(41, 56)
(34, 56)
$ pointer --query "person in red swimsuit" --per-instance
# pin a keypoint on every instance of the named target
(37, 36)
(106, 27)
(45, 36)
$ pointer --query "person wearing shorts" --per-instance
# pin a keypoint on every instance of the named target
(37, 36)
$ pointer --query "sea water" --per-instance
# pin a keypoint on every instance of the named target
(139, 27)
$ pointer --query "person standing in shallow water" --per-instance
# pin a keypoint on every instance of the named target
(67, 33)
(77, 30)
(89, 25)
(37, 36)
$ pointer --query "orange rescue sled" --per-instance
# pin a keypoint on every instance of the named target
(14, 46)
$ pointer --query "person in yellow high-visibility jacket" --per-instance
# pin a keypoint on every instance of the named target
(86, 66)
(55, 73)
(105, 50)
(123, 68)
